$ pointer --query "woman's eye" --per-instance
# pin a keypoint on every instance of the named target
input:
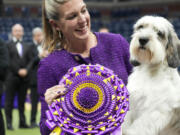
(84, 10)
(71, 17)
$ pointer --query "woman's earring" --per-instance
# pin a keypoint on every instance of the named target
(60, 34)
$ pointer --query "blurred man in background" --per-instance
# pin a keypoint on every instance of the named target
(37, 54)
(4, 62)
(17, 79)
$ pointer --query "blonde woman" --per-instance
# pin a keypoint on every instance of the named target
(71, 42)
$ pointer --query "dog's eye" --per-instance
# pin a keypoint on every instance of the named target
(140, 27)
(160, 34)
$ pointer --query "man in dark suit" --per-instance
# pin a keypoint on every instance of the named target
(18, 75)
(37, 53)
(4, 63)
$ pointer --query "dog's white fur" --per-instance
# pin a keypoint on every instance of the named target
(154, 85)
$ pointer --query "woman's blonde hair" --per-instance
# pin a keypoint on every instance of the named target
(52, 38)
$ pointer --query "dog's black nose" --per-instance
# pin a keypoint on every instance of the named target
(143, 41)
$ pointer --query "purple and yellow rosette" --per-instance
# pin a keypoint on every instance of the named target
(96, 102)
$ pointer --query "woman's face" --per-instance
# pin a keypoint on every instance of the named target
(74, 21)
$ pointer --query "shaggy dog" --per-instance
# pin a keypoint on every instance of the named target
(154, 85)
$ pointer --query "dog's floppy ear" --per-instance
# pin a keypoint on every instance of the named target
(173, 50)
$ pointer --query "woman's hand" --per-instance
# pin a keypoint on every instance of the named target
(54, 92)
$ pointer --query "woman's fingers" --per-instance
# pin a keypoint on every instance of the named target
(53, 92)
(60, 90)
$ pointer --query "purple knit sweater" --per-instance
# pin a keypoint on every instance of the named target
(112, 51)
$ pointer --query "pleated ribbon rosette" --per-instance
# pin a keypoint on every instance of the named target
(96, 102)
